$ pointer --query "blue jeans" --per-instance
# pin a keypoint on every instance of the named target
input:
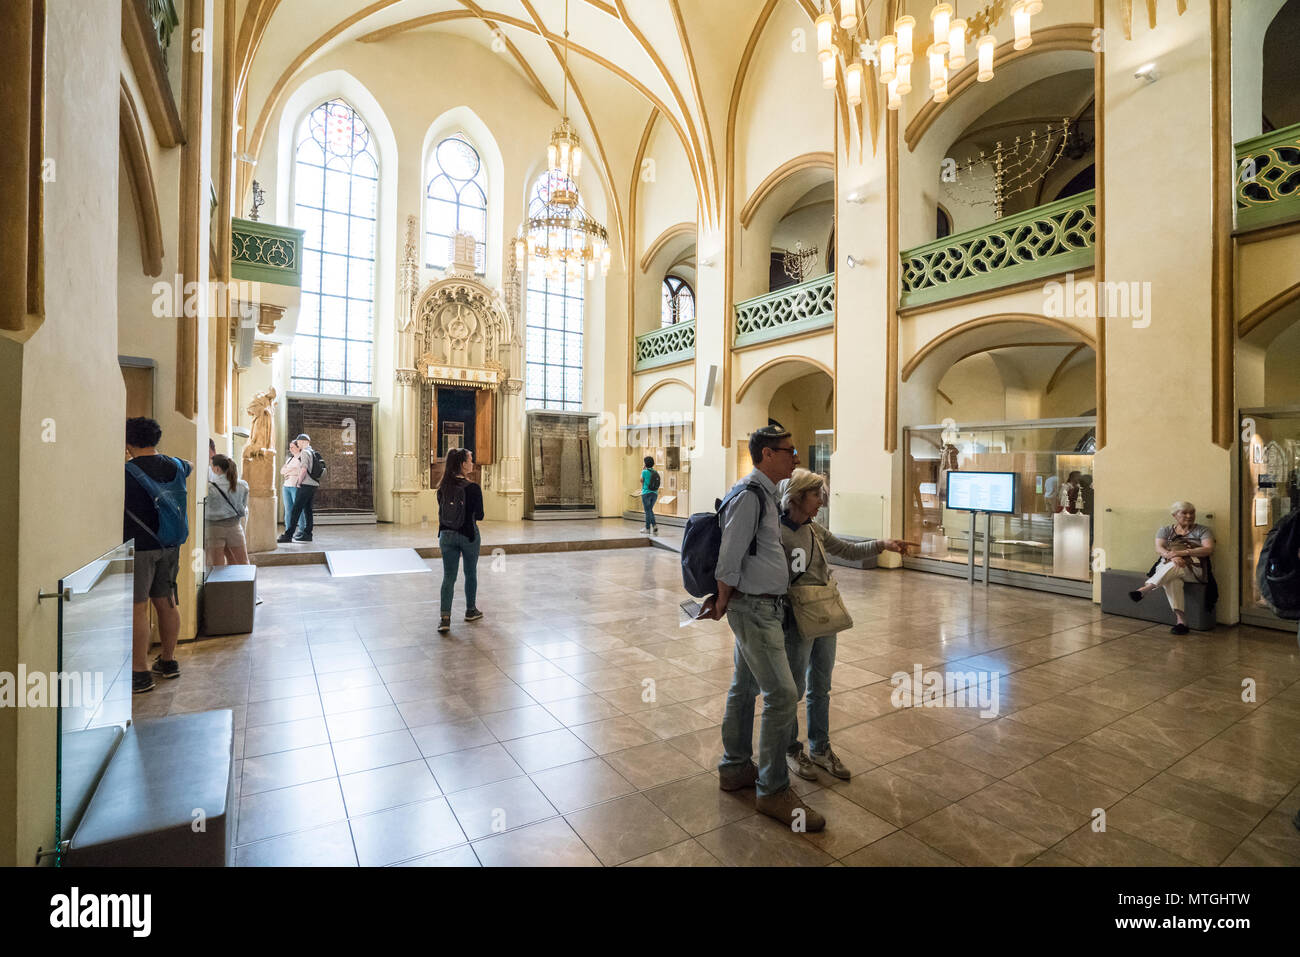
(456, 546)
(648, 503)
(811, 663)
(289, 492)
(761, 664)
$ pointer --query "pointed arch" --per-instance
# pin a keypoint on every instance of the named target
(138, 171)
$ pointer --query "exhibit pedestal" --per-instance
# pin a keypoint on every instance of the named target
(1070, 545)
(259, 473)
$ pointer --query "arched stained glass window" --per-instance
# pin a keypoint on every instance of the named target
(455, 199)
(335, 196)
(678, 303)
(553, 335)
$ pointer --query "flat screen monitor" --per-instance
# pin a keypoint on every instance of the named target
(982, 492)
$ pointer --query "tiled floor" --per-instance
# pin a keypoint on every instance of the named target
(527, 738)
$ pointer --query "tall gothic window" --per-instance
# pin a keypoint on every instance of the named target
(335, 195)
(678, 302)
(455, 198)
(553, 337)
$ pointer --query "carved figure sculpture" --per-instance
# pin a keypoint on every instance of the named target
(260, 433)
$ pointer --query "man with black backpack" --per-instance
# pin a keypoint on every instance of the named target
(309, 478)
(752, 578)
(155, 515)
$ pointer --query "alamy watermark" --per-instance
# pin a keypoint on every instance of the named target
(1108, 299)
(42, 689)
(946, 689)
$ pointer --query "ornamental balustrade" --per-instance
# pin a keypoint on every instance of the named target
(1046, 240)
(803, 307)
(1268, 178)
(264, 252)
(675, 343)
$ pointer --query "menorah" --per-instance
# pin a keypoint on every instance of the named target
(799, 262)
(1016, 167)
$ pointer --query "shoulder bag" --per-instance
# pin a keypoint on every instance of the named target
(818, 609)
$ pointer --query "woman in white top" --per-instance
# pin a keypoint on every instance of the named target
(224, 511)
(1184, 549)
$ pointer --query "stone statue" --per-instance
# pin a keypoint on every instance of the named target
(259, 472)
(260, 433)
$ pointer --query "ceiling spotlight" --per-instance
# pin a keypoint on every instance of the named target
(1147, 72)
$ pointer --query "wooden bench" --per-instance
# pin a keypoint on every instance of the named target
(165, 798)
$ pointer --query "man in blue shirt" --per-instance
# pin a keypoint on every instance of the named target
(751, 584)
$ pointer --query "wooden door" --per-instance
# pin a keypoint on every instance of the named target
(484, 426)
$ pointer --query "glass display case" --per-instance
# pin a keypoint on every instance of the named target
(1050, 533)
(670, 447)
(1270, 490)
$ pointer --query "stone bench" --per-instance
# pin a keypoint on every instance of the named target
(167, 775)
(229, 600)
(1117, 583)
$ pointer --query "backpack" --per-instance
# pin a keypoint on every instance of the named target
(317, 468)
(1278, 571)
(702, 540)
(169, 499)
(451, 506)
(654, 481)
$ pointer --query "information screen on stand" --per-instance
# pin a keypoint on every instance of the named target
(982, 492)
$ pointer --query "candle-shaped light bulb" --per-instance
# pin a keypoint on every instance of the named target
(1020, 17)
(825, 25)
(903, 30)
(828, 73)
(985, 48)
(957, 45)
(853, 82)
(887, 54)
(895, 101)
(904, 79)
(940, 20)
(938, 69)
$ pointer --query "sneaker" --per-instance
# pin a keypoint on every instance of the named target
(736, 779)
(800, 765)
(643, 531)
(785, 806)
(302, 538)
(1179, 629)
(831, 763)
(1135, 595)
(141, 681)
(284, 539)
(444, 624)
(654, 530)
(473, 615)
(166, 669)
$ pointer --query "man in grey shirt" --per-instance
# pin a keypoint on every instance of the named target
(752, 580)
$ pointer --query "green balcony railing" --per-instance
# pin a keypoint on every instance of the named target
(263, 252)
(675, 343)
(1268, 178)
(803, 307)
(1039, 242)
(165, 20)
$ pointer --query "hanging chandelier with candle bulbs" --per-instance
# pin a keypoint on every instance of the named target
(845, 37)
(563, 240)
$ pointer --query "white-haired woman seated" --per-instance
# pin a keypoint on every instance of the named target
(812, 656)
(1184, 549)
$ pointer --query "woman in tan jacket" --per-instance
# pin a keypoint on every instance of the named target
(811, 659)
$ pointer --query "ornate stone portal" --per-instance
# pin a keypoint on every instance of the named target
(457, 332)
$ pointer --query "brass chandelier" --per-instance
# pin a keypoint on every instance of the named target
(563, 239)
(894, 55)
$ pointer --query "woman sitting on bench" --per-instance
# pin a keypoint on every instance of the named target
(1184, 548)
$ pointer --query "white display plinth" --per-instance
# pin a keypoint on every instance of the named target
(1070, 546)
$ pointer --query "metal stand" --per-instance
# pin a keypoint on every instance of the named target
(988, 546)
(970, 553)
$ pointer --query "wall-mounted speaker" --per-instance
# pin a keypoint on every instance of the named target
(709, 384)
(244, 335)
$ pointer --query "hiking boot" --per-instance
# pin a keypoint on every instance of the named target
(473, 615)
(444, 624)
(166, 669)
(800, 765)
(736, 779)
(141, 681)
(1179, 629)
(785, 806)
(831, 763)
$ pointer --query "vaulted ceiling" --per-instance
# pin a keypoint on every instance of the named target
(626, 57)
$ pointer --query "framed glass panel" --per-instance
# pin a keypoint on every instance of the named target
(455, 200)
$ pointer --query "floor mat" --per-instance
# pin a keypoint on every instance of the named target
(350, 563)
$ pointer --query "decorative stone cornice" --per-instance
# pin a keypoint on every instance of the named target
(265, 350)
(267, 316)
